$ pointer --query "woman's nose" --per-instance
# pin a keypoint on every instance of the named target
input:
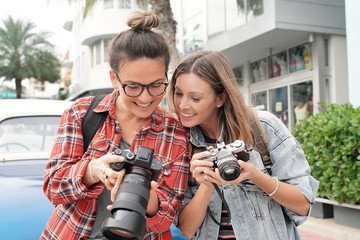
(183, 104)
(145, 96)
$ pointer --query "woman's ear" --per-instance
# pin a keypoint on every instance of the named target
(221, 99)
(114, 82)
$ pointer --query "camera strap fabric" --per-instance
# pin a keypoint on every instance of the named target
(92, 121)
(259, 138)
(225, 206)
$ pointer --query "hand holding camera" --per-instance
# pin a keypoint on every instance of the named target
(129, 207)
(225, 158)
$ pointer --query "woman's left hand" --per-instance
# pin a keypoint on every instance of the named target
(248, 170)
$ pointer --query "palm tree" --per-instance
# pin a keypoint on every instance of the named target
(167, 26)
(25, 54)
(167, 23)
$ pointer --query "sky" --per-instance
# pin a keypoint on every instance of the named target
(48, 15)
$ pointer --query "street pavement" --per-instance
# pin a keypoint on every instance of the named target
(327, 229)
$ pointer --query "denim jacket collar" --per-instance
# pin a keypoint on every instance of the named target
(197, 137)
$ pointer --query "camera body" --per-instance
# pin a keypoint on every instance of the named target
(142, 158)
(129, 208)
(225, 158)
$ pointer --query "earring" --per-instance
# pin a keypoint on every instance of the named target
(219, 105)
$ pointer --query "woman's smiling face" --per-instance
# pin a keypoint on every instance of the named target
(144, 71)
(195, 101)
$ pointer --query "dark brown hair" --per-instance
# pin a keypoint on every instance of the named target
(139, 41)
(214, 68)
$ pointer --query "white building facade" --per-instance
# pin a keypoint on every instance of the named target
(90, 37)
(288, 56)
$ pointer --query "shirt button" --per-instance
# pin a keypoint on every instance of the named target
(239, 213)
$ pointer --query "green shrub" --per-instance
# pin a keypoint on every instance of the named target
(331, 142)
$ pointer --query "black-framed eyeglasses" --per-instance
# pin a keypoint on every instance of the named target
(136, 89)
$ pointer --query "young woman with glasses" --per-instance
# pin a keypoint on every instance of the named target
(78, 181)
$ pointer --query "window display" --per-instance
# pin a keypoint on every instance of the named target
(302, 101)
(300, 57)
(238, 72)
(277, 65)
(278, 99)
(259, 100)
(258, 70)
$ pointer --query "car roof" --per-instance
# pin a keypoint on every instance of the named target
(32, 107)
(91, 92)
(20, 156)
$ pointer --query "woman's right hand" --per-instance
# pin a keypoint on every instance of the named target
(202, 170)
(99, 169)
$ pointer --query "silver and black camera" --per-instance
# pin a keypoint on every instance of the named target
(225, 158)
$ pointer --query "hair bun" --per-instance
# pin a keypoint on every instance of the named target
(143, 20)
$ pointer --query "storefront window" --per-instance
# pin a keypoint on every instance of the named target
(238, 72)
(277, 65)
(301, 101)
(260, 100)
(300, 57)
(258, 71)
(279, 104)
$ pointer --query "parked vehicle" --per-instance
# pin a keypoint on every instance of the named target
(28, 129)
(91, 92)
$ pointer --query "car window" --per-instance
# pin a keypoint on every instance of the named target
(28, 134)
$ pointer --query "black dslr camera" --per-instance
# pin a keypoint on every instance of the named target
(225, 158)
(129, 207)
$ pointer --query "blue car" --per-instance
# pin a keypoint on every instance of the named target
(28, 129)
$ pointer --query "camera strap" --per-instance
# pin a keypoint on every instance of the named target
(92, 121)
(226, 206)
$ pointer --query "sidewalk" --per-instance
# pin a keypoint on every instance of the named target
(327, 229)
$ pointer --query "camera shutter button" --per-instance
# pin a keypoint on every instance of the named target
(130, 155)
(238, 143)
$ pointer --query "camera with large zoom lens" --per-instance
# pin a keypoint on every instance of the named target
(129, 208)
(225, 158)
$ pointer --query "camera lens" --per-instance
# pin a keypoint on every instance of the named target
(229, 170)
(129, 208)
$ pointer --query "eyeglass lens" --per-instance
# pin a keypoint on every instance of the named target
(135, 90)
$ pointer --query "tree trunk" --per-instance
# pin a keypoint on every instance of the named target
(167, 26)
(18, 87)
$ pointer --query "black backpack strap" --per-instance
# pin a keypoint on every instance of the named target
(92, 121)
(259, 138)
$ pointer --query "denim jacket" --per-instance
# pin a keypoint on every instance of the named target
(253, 215)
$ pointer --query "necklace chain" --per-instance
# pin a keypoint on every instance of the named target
(138, 128)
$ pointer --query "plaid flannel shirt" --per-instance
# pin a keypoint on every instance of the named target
(76, 204)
